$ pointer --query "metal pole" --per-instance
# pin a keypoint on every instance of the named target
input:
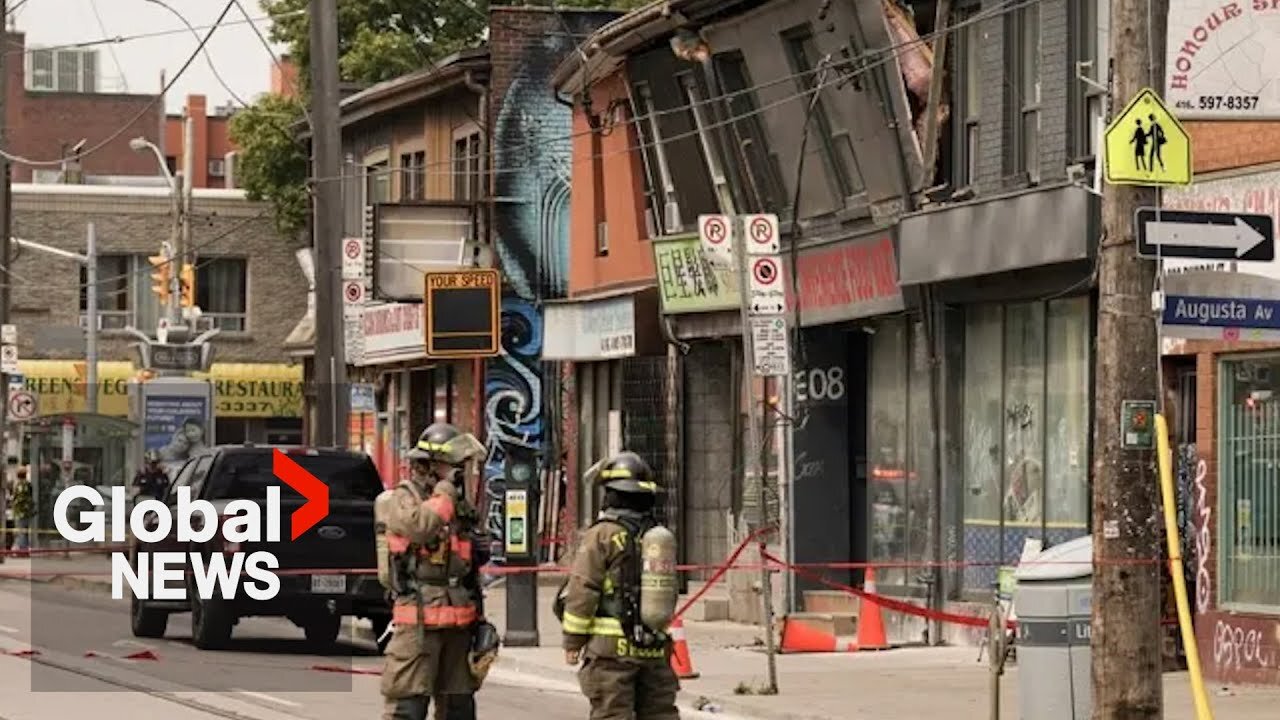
(6, 281)
(188, 186)
(757, 433)
(174, 281)
(91, 337)
(327, 228)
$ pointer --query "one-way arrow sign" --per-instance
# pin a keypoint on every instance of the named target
(1205, 235)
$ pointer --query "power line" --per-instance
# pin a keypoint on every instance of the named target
(119, 39)
(213, 67)
(93, 6)
(275, 58)
(842, 70)
(148, 108)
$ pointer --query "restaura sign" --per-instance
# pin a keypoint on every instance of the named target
(1221, 58)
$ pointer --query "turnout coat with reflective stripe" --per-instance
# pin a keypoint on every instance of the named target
(439, 554)
(593, 597)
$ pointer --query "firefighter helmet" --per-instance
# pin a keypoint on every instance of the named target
(625, 472)
(442, 442)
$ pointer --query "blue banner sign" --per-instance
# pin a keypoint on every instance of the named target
(1222, 312)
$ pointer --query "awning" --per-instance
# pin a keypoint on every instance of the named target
(240, 389)
(606, 326)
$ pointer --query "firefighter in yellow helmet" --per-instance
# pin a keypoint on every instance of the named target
(626, 669)
(436, 611)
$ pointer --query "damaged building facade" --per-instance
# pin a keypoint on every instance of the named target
(938, 228)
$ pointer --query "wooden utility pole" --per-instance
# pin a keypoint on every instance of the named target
(326, 139)
(1126, 633)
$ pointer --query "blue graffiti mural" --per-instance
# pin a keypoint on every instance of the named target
(513, 404)
(532, 156)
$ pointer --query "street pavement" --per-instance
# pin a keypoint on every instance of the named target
(263, 676)
(267, 674)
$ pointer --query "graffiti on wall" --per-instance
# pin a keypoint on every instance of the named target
(513, 405)
(1238, 648)
(1204, 548)
(1189, 478)
(532, 239)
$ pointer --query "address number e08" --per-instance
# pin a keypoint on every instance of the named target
(819, 384)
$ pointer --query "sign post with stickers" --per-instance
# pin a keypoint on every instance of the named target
(755, 247)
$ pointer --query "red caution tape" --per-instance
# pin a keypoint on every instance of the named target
(142, 655)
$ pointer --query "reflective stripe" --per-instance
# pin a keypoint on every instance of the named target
(397, 543)
(441, 505)
(578, 625)
(460, 547)
(440, 616)
(616, 474)
(432, 447)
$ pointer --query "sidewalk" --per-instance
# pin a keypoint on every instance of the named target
(902, 684)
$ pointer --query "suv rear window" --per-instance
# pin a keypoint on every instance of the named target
(248, 475)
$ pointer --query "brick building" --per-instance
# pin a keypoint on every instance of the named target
(213, 162)
(56, 99)
(248, 284)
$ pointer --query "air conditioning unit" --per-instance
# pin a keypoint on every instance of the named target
(217, 167)
(46, 176)
(62, 70)
(671, 218)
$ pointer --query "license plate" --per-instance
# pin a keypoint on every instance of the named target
(328, 584)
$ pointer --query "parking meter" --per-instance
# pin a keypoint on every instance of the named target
(521, 544)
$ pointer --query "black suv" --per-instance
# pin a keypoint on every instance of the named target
(342, 540)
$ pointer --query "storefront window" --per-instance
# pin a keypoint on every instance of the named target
(901, 451)
(887, 446)
(1248, 484)
(1069, 385)
(1026, 410)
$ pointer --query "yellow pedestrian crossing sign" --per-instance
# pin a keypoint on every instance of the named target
(1145, 145)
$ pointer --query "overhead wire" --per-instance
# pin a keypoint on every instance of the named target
(842, 71)
(93, 7)
(213, 67)
(275, 59)
(21, 49)
(142, 113)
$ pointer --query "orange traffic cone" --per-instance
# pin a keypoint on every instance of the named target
(800, 636)
(871, 619)
(680, 660)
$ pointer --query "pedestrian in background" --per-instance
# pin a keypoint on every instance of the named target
(23, 509)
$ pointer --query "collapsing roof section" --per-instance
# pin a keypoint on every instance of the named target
(885, 33)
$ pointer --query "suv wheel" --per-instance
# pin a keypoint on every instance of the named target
(211, 623)
(147, 622)
(322, 630)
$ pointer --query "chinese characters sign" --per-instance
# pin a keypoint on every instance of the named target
(688, 282)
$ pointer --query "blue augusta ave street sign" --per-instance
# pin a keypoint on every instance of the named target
(1222, 312)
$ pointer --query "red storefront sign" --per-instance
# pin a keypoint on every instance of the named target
(855, 278)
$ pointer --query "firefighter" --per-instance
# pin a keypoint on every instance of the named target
(429, 558)
(608, 626)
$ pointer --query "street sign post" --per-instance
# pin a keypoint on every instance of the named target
(1205, 235)
(767, 296)
(715, 232)
(1146, 145)
(9, 358)
(353, 259)
(771, 346)
(762, 234)
(22, 405)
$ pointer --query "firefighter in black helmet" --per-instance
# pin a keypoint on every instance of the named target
(626, 670)
(438, 609)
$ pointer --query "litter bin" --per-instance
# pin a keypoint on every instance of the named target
(1053, 600)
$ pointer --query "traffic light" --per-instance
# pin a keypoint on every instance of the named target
(161, 277)
(188, 282)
